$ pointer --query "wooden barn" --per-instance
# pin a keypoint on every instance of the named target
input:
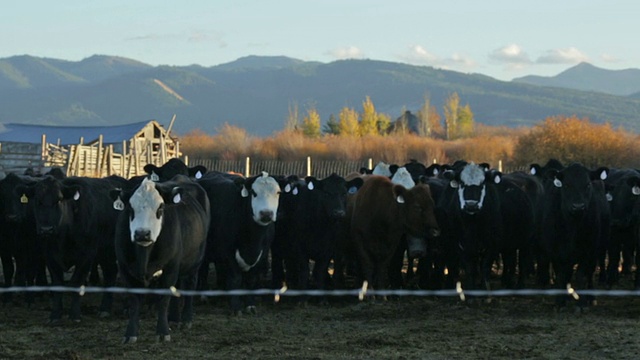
(94, 151)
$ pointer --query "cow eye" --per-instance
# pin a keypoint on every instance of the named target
(160, 211)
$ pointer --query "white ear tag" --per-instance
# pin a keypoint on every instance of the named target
(76, 196)
(244, 192)
(610, 197)
(177, 198)
(287, 188)
(532, 171)
(295, 191)
(435, 172)
(154, 176)
(453, 184)
(557, 183)
(198, 175)
(310, 186)
(353, 190)
(497, 179)
(603, 175)
(118, 204)
(400, 199)
(635, 190)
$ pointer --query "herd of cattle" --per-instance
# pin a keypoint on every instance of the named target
(551, 226)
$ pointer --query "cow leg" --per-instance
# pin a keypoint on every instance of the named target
(233, 281)
(133, 327)
(189, 283)
(78, 279)
(615, 247)
(7, 270)
(110, 274)
(397, 263)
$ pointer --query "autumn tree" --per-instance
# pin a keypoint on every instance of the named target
(383, 123)
(424, 126)
(571, 139)
(349, 122)
(293, 120)
(311, 123)
(450, 110)
(368, 121)
(465, 121)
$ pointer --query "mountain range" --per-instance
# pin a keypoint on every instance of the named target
(257, 93)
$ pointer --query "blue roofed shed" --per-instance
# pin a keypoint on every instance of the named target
(86, 150)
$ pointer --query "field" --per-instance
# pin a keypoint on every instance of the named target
(342, 328)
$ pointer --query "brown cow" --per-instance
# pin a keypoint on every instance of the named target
(382, 213)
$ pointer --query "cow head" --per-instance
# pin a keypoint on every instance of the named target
(403, 177)
(172, 168)
(417, 210)
(624, 200)
(52, 203)
(264, 191)
(575, 183)
(13, 201)
(471, 184)
(331, 193)
(145, 207)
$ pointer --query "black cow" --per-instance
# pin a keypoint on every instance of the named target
(160, 240)
(172, 168)
(75, 222)
(575, 225)
(243, 212)
(317, 227)
(623, 193)
(474, 221)
(18, 236)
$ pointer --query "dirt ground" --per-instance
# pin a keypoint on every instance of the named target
(404, 328)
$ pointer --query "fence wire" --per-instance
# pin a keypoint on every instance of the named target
(361, 293)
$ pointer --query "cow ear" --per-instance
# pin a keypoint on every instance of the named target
(534, 169)
(495, 176)
(312, 182)
(115, 195)
(149, 168)
(71, 192)
(176, 194)
(600, 174)
(433, 170)
(399, 191)
(244, 192)
(197, 171)
(354, 185)
(557, 182)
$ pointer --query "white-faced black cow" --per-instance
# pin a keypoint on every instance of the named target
(382, 212)
(575, 225)
(317, 228)
(474, 221)
(243, 213)
(75, 222)
(160, 241)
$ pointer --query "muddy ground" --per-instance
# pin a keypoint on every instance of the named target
(404, 328)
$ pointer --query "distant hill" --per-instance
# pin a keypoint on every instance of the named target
(587, 77)
(256, 93)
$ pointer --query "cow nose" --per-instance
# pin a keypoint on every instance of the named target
(338, 214)
(266, 216)
(578, 206)
(434, 232)
(46, 230)
(142, 235)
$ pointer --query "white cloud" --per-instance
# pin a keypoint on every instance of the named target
(461, 61)
(512, 55)
(609, 58)
(562, 56)
(202, 37)
(418, 55)
(350, 52)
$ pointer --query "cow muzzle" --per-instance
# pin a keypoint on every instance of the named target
(266, 216)
(142, 237)
(416, 247)
(471, 207)
(577, 208)
(46, 230)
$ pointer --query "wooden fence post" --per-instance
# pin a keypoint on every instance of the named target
(308, 165)
(247, 163)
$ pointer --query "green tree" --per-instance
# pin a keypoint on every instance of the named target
(332, 126)
(383, 123)
(348, 122)
(311, 123)
(368, 122)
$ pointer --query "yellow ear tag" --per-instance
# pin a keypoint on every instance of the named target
(24, 199)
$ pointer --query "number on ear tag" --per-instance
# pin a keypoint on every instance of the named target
(118, 204)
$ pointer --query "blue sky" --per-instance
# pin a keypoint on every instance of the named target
(503, 39)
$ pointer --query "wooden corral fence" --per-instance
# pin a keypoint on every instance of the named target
(305, 167)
